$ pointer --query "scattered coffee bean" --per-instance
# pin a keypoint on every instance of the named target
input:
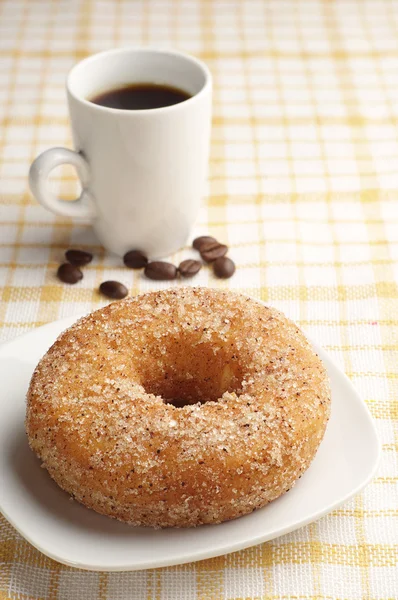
(203, 239)
(69, 273)
(79, 258)
(224, 267)
(113, 289)
(212, 250)
(189, 268)
(160, 270)
(135, 259)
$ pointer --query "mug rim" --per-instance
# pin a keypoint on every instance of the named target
(138, 50)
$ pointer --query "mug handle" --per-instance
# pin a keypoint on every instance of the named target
(83, 207)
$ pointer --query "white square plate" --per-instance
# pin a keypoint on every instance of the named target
(71, 534)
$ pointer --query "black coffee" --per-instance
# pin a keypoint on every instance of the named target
(139, 96)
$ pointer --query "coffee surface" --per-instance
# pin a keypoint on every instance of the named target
(140, 96)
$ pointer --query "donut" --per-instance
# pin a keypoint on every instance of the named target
(178, 408)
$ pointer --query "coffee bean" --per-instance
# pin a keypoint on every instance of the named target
(113, 289)
(189, 268)
(212, 250)
(160, 271)
(224, 267)
(135, 259)
(69, 273)
(203, 239)
(79, 258)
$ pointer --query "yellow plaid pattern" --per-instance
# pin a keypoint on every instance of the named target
(303, 186)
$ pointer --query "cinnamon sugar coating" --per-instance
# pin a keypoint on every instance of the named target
(255, 396)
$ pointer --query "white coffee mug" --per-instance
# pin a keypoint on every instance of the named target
(142, 171)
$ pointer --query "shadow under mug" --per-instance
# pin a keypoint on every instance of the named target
(142, 172)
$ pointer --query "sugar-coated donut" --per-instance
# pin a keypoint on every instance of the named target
(178, 407)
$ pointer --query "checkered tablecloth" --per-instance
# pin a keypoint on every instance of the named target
(303, 186)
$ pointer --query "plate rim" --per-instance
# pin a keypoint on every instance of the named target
(230, 548)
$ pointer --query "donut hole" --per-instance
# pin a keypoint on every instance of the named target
(199, 373)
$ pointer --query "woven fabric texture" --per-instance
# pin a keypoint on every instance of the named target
(303, 186)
